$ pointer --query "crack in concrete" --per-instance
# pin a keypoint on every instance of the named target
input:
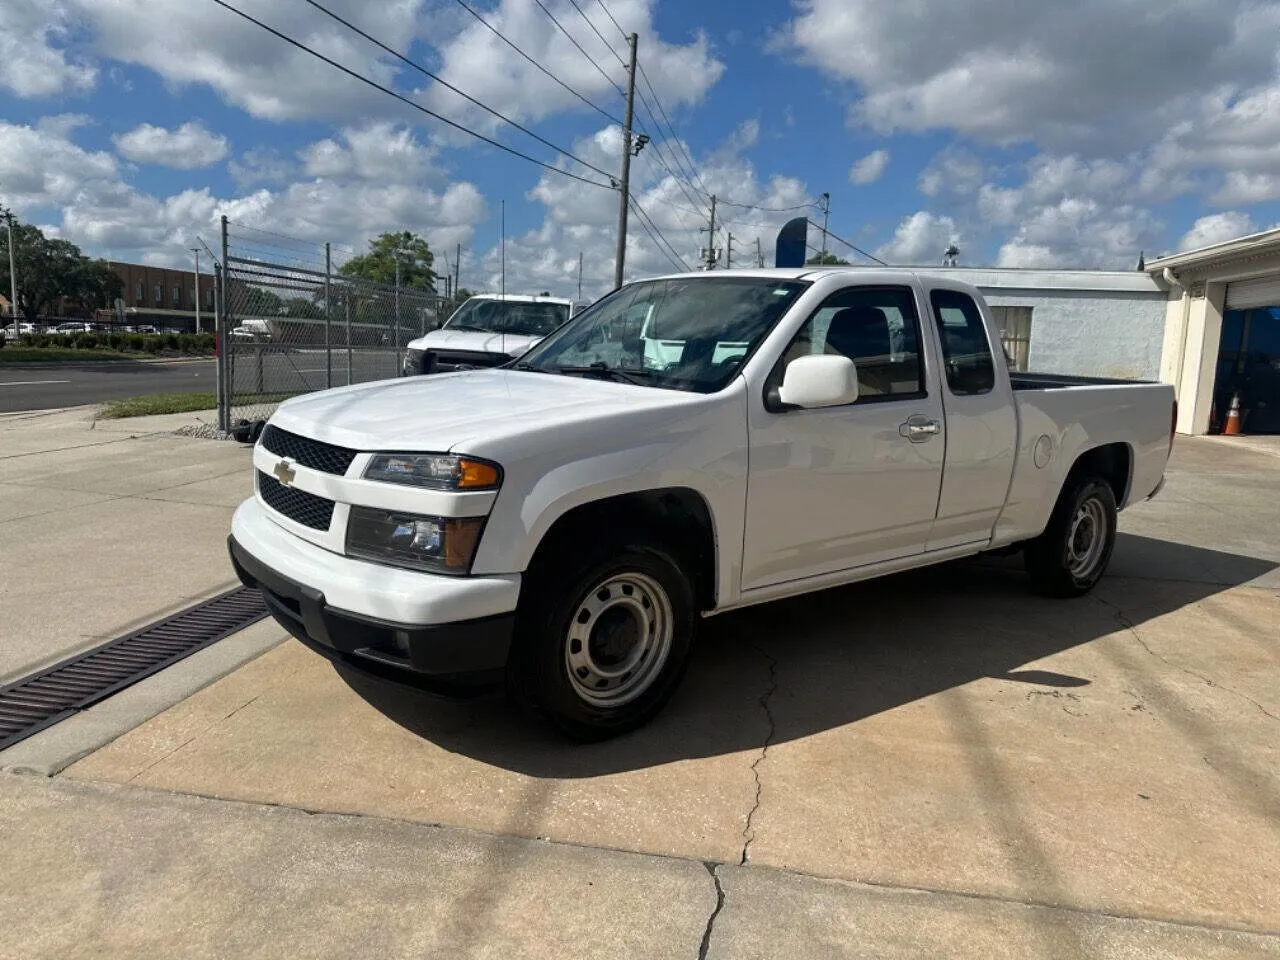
(1128, 624)
(748, 832)
(711, 920)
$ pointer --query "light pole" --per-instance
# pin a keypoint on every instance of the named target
(196, 251)
(13, 277)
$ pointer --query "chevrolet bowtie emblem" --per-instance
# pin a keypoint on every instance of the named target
(284, 473)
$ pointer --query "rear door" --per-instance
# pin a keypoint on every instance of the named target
(982, 429)
(841, 487)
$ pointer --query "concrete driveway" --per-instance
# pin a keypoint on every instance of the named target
(1097, 777)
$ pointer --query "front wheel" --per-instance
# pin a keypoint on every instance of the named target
(1071, 555)
(602, 645)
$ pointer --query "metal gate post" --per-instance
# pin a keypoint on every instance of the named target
(224, 339)
(346, 299)
(328, 343)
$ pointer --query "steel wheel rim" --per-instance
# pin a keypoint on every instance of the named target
(618, 639)
(1087, 538)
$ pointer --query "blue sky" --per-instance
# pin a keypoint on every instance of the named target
(1028, 134)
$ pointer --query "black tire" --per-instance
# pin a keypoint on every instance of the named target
(1059, 561)
(563, 589)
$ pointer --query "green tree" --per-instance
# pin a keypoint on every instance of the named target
(49, 269)
(259, 302)
(827, 260)
(379, 264)
(302, 308)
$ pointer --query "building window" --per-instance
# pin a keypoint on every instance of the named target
(208, 297)
(177, 295)
(1014, 324)
(159, 294)
(138, 293)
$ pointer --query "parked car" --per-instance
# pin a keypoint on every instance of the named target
(252, 331)
(688, 445)
(78, 326)
(486, 331)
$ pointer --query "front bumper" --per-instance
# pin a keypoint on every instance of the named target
(452, 659)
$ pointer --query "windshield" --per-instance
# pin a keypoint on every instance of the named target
(509, 316)
(683, 333)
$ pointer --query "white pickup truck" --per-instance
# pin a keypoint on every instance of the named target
(563, 523)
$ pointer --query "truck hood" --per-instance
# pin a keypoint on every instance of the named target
(475, 341)
(468, 411)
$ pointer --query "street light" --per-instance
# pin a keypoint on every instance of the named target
(196, 251)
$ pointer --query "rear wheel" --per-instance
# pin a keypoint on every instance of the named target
(602, 643)
(1071, 555)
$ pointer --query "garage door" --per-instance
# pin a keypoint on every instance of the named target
(1253, 293)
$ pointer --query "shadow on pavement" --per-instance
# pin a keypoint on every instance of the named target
(836, 657)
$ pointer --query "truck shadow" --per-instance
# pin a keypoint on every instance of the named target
(793, 668)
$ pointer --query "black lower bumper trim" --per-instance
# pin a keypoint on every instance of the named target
(459, 659)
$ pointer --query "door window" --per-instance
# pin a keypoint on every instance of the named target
(970, 369)
(875, 327)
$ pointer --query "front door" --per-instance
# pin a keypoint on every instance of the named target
(841, 487)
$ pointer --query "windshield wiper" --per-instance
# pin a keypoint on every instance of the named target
(605, 372)
(468, 329)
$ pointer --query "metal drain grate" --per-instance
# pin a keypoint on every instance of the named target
(44, 698)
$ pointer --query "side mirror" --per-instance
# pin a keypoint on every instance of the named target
(819, 381)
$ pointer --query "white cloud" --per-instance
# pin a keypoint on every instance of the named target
(475, 60)
(189, 147)
(1006, 70)
(30, 63)
(98, 209)
(920, 238)
(953, 171)
(261, 165)
(1244, 188)
(202, 43)
(585, 219)
(1217, 228)
(869, 168)
(377, 151)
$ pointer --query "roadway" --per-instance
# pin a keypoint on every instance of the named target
(44, 386)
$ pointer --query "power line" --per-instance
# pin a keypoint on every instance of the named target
(403, 99)
(573, 40)
(853, 248)
(752, 206)
(673, 257)
(423, 70)
(649, 108)
(494, 30)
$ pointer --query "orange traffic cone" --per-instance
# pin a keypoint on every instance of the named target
(1232, 428)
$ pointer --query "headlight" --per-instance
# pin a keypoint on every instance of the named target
(437, 544)
(412, 364)
(433, 470)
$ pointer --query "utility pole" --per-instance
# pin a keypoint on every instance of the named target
(728, 253)
(13, 277)
(826, 214)
(709, 255)
(624, 201)
(759, 255)
(579, 274)
(196, 251)
(457, 268)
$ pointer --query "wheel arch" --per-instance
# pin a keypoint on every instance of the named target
(678, 517)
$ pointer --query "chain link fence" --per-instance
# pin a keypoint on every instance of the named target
(291, 323)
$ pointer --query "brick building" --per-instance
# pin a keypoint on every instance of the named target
(161, 295)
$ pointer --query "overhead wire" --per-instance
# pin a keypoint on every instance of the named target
(574, 41)
(445, 83)
(405, 100)
(684, 176)
(646, 222)
(497, 33)
(855, 249)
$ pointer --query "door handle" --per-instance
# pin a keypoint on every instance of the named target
(919, 429)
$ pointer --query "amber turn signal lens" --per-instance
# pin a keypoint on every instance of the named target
(477, 475)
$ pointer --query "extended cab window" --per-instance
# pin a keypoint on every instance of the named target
(970, 369)
(875, 327)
